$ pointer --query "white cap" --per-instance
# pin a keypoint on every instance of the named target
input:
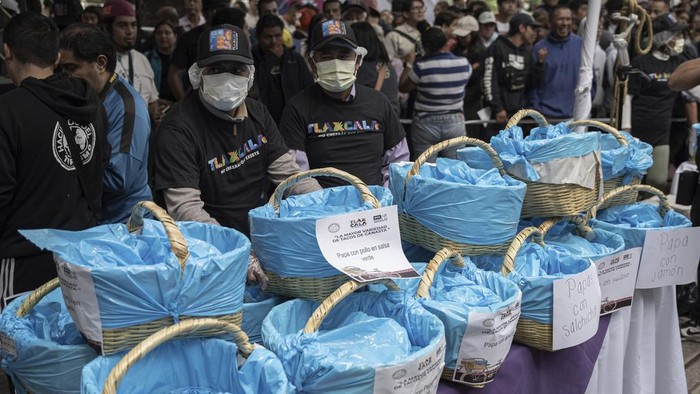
(465, 25)
(487, 17)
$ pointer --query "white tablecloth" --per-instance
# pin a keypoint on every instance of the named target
(642, 350)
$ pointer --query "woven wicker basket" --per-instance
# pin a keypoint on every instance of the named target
(613, 183)
(664, 205)
(312, 288)
(191, 328)
(117, 339)
(547, 199)
(528, 332)
(414, 232)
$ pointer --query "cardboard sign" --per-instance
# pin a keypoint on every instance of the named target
(617, 275)
(485, 344)
(81, 301)
(420, 376)
(670, 257)
(576, 309)
(365, 245)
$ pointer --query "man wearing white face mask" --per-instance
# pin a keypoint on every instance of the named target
(217, 152)
(652, 99)
(337, 123)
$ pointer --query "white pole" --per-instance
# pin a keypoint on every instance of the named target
(582, 105)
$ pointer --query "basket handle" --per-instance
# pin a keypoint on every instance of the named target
(664, 206)
(177, 241)
(30, 302)
(518, 241)
(184, 328)
(582, 228)
(426, 281)
(538, 117)
(602, 126)
(343, 291)
(365, 194)
(440, 146)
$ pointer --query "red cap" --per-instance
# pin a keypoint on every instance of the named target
(115, 8)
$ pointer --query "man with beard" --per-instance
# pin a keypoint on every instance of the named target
(509, 69)
(553, 97)
(280, 72)
(119, 20)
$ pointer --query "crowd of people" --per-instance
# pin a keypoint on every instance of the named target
(226, 100)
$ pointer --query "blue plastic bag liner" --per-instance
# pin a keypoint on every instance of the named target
(365, 337)
(286, 243)
(526, 156)
(128, 279)
(536, 268)
(462, 204)
(632, 222)
(193, 366)
(43, 351)
(562, 237)
(632, 160)
(256, 305)
(458, 291)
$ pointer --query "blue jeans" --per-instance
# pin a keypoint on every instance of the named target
(428, 130)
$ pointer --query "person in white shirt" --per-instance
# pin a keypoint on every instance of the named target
(193, 15)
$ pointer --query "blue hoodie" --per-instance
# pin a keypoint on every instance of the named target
(555, 95)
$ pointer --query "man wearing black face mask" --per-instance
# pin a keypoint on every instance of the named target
(337, 123)
(217, 152)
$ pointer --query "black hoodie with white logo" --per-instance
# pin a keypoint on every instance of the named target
(41, 184)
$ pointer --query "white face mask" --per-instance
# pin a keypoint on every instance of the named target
(336, 75)
(677, 49)
(224, 91)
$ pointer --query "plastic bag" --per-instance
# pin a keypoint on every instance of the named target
(256, 305)
(632, 222)
(596, 245)
(193, 366)
(544, 144)
(286, 243)
(459, 203)
(137, 278)
(43, 352)
(536, 267)
(632, 160)
(313, 368)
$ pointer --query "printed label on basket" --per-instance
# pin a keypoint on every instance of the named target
(576, 309)
(365, 245)
(7, 344)
(485, 344)
(669, 257)
(617, 275)
(420, 376)
(81, 301)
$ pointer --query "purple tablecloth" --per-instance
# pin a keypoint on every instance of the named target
(528, 370)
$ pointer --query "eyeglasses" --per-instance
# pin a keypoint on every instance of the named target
(419, 8)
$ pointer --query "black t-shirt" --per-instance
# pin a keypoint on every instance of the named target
(652, 104)
(351, 136)
(227, 161)
(185, 53)
(275, 95)
(163, 87)
(369, 72)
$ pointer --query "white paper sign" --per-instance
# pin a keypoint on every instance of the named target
(670, 257)
(617, 275)
(576, 308)
(420, 376)
(485, 344)
(365, 245)
(81, 301)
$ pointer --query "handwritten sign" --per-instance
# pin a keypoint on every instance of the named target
(670, 257)
(617, 275)
(485, 344)
(365, 245)
(420, 376)
(576, 309)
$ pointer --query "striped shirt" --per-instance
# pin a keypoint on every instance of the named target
(440, 81)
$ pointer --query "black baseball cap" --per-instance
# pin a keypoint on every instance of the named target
(223, 43)
(332, 31)
(667, 22)
(521, 19)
